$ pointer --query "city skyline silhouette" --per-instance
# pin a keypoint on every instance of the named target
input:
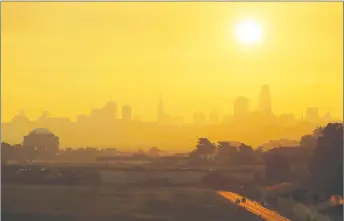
(177, 49)
(241, 107)
(107, 126)
(173, 72)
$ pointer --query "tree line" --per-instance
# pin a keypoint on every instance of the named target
(321, 152)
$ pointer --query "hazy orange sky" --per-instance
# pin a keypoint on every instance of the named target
(68, 58)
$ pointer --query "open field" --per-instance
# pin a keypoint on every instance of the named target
(131, 193)
(74, 203)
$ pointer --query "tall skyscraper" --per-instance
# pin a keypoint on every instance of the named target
(241, 107)
(126, 113)
(265, 100)
(161, 112)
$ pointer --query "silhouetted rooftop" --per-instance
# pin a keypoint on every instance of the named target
(41, 131)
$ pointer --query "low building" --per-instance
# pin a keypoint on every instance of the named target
(42, 139)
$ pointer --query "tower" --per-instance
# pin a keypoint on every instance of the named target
(265, 100)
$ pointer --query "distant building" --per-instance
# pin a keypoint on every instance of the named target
(91, 150)
(214, 117)
(287, 119)
(107, 113)
(58, 123)
(82, 118)
(154, 151)
(265, 100)
(241, 107)
(42, 121)
(110, 110)
(312, 114)
(42, 139)
(109, 151)
(20, 119)
(96, 113)
(199, 119)
(126, 112)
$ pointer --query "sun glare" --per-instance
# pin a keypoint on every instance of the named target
(248, 32)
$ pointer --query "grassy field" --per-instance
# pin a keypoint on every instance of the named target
(74, 203)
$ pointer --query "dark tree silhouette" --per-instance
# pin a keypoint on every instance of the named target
(318, 132)
(226, 153)
(245, 155)
(5, 145)
(154, 151)
(258, 154)
(204, 148)
(326, 166)
(260, 149)
(140, 154)
(308, 141)
(245, 149)
(5, 152)
(277, 169)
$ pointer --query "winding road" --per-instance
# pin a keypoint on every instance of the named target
(253, 207)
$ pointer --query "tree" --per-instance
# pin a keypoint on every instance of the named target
(5, 152)
(245, 149)
(318, 132)
(258, 153)
(205, 148)
(260, 149)
(154, 151)
(326, 166)
(140, 154)
(245, 154)
(226, 152)
(277, 168)
(308, 141)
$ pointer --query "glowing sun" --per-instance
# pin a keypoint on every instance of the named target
(248, 32)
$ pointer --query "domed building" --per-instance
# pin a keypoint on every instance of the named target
(42, 139)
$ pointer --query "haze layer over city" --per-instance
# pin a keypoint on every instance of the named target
(131, 76)
(172, 111)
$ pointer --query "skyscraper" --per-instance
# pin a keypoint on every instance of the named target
(126, 112)
(241, 107)
(265, 100)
